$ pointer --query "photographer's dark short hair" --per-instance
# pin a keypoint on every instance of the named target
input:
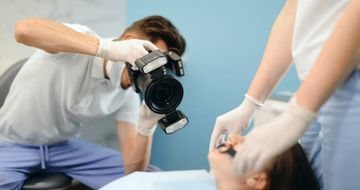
(157, 27)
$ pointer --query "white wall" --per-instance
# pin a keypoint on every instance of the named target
(106, 17)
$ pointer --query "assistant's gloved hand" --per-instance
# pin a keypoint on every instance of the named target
(147, 121)
(269, 140)
(235, 120)
(124, 50)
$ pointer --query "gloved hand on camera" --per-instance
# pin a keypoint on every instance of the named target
(147, 121)
(124, 50)
(235, 120)
(265, 142)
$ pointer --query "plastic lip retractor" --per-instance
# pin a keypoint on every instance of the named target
(221, 144)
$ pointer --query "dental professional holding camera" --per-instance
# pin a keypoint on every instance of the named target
(322, 39)
(76, 76)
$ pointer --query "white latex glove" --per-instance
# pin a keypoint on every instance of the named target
(147, 121)
(235, 120)
(265, 142)
(124, 50)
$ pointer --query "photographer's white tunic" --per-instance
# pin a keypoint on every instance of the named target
(53, 94)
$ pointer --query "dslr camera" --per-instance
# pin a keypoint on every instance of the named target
(161, 91)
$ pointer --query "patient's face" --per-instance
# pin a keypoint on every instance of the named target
(223, 169)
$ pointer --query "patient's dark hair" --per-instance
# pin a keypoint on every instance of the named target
(292, 171)
(156, 28)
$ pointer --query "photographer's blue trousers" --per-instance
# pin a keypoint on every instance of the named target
(91, 164)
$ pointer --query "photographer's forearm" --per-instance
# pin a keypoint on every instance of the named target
(140, 155)
(135, 148)
(277, 57)
(54, 37)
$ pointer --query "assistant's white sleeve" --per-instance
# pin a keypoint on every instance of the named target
(130, 110)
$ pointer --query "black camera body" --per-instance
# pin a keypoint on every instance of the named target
(161, 91)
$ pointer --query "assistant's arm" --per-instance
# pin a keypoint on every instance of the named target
(277, 56)
(275, 62)
(332, 66)
(334, 62)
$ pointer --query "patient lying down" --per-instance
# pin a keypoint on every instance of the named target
(290, 170)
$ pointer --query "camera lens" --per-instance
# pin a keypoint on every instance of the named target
(164, 95)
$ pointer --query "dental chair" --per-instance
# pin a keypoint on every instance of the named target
(42, 180)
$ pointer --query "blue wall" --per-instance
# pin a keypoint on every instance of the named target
(226, 40)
